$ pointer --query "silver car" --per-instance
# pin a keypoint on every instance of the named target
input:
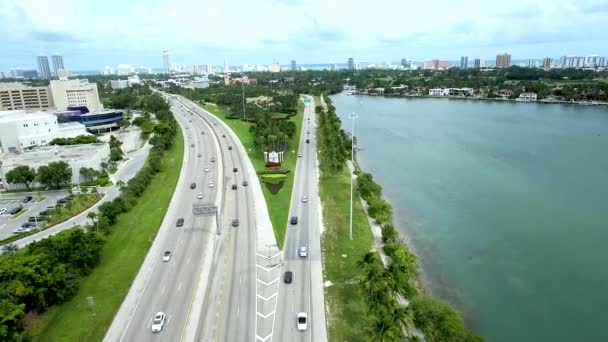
(158, 322)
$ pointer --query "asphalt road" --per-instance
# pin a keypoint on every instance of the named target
(305, 293)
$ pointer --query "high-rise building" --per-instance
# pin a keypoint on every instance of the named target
(226, 69)
(108, 70)
(464, 62)
(30, 73)
(2, 75)
(406, 63)
(361, 65)
(275, 67)
(503, 60)
(332, 66)
(44, 71)
(73, 93)
(293, 64)
(167, 61)
(478, 63)
(350, 64)
(14, 96)
(530, 63)
(124, 69)
(437, 64)
(547, 62)
(57, 63)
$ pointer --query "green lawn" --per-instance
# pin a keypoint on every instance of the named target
(278, 204)
(346, 305)
(23, 211)
(122, 256)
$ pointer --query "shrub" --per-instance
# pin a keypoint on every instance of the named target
(389, 233)
(440, 321)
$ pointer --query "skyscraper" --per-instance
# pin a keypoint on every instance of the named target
(464, 62)
(293, 64)
(530, 63)
(44, 70)
(351, 64)
(503, 60)
(167, 61)
(547, 62)
(478, 63)
(57, 63)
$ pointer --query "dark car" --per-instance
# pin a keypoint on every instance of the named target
(223, 135)
(193, 186)
(230, 147)
(47, 212)
(244, 183)
(235, 169)
(233, 186)
(28, 224)
(180, 222)
(27, 199)
(36, 218)
(235, 222)
(288, 277)
(293, 220)
(15, 210)
(307, 141)
(62, 201)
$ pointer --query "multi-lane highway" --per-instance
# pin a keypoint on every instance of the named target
(305, 292)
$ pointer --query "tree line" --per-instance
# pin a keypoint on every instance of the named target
(334, 145)
(47, 272)
(53, 175)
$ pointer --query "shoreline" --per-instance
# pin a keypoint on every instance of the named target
(476, 98)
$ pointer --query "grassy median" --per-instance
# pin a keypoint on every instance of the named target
(278, 204)
(344, 301)
(123, 253)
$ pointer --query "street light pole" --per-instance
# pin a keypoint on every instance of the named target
(353, 117)
(243, 89)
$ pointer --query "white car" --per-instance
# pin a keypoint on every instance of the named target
(300, 155)
(158, 322)
(211, 185)
(200, 195)
(2, 210)
(206, 169)
(304, 199)
(166, 256)
(303, 252)
(22, 230)
(302, 321)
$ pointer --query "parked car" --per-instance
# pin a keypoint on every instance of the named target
(28, 224)
(27, 199)
(158, 322)
(192, 185)
(288, 277)
(300, 155)
(166, 256)
(235, 222)
(180, 222)
(22, 230)
(303, 252)
(16, 210)
(302, 321)
(244, 183)
(3, 210)
(62, 201)
(293, 220)
(233, 186)
(47, 212)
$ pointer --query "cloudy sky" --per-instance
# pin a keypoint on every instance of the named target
(93, 33)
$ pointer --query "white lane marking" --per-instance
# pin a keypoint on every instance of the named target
(240, 280)
(149, 322)
(163, 290)
(266, 256)
(268, 284)
(266, 298)
(179, 286)
(293, 307)
(265, 316)
(263, 339)
(188, 261)
(268, 269)
(238, 311)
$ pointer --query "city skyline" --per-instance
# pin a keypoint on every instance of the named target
(286, 30)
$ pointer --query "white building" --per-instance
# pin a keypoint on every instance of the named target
(200, 82)
(124, 69)
(119, 84)
(77, 157)
(72, 93)
(527, 97)
(451, 91)
(438, 91)
(361, 65)
(133, 80)
(108, 70)
(20, 131)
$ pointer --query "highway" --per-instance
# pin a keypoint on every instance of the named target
(305, 293)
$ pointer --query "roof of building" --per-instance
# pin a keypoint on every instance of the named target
(18, 115)
(44, 155)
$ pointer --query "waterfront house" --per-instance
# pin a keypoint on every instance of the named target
(527, 97)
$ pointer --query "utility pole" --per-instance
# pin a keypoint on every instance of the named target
(353, 117)
(243, 89)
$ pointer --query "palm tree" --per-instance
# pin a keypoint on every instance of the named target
(381, 328)
(10, 249)
(93, 217)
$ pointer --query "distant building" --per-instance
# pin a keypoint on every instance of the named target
(527, 97)
(43, 67)
(275, 67)
(361, 65)
(478, 63)
(244, 80)
(503, 60)
(144, 70)
(530, 63)
(73, 93)
(547, 62)
(15, 96)
(200, 82)
(437, 64)
(293, 65)
(133, 80)
(57, 64)
(350, 64)
(124, 69)
(108, 70)
(332, 66)
(451, 91)
(167, 61)
(20, 131)
(30, 74)
(119, 84)
(76, 156)
(464, 62)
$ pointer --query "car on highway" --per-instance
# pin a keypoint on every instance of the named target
(211, 185)
(302, 252)
(191, 145)
(229, 147)
(235, 222)
(304, 199)
(200, 195)
(3, 210)
(244, 183)
(22, 230)
(190, 120)
(300, 155)
(223, 135)
(158, 322)
(302, 321)
(307, 141)
(203, 132)
(180, 222)
(199, 155)
(166, 256)
(293, 220)
(288, 277)
(234, 169)
(233, 186)
(15, 210)
(206, 169)
(192, 185)
(213, 160)
(27, 199)
(307, 132)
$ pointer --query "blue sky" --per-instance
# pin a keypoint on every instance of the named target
(94, 33)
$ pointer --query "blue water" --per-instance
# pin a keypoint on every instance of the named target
(506, 203)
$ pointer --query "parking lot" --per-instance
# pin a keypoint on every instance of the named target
(11, 201)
